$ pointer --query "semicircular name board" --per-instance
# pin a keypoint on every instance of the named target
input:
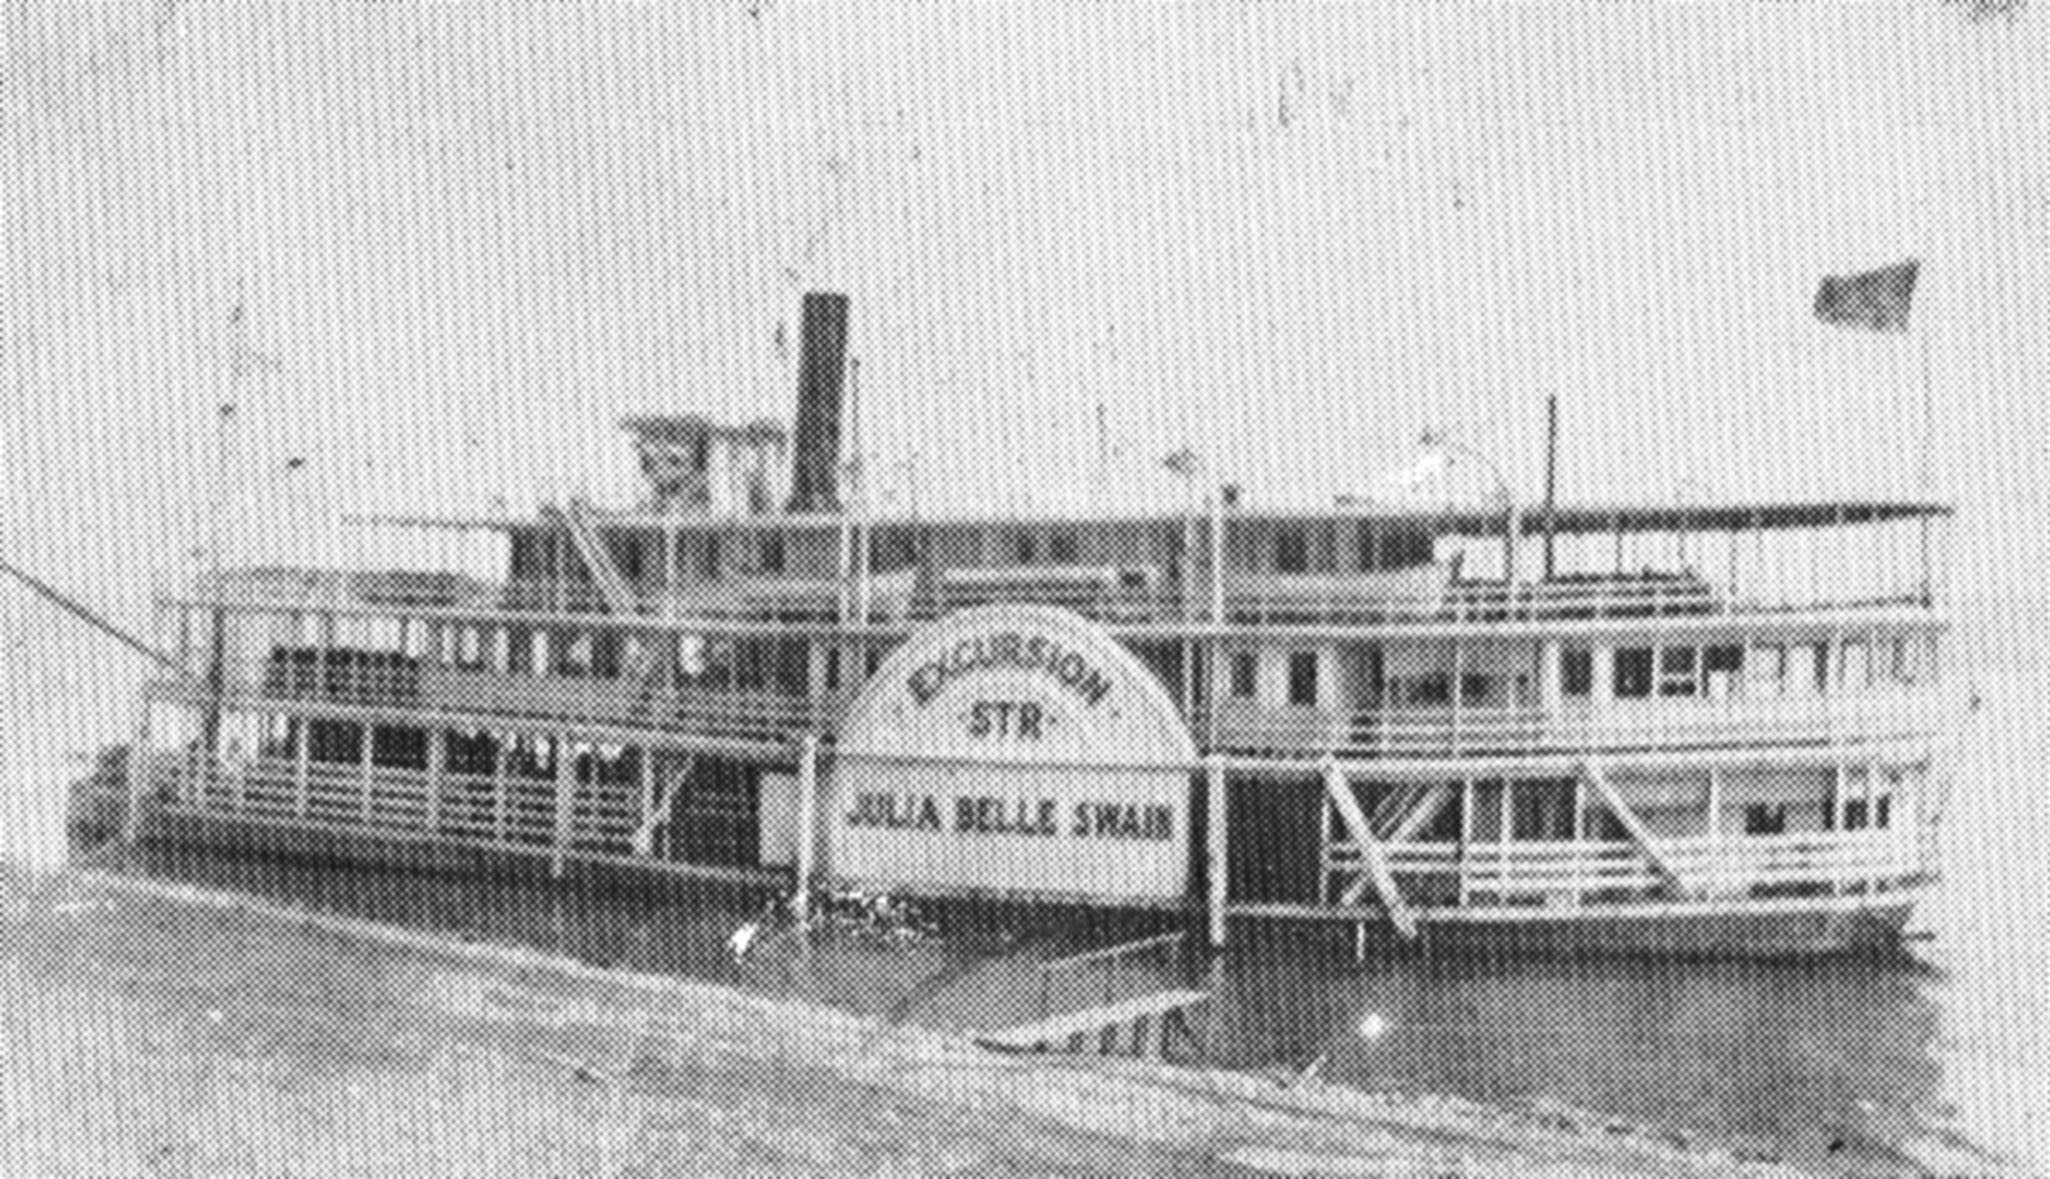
(1013, 749)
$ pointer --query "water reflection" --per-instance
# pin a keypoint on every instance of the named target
(1786, 1057)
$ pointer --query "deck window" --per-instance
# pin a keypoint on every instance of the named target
(1399, 548)
(469, 754)
(1245, 675)
(1764, 818)
(769, 553)
(334, 742)
(1302, 678)
(708, 567)
(1291, 551)
(1679, 669)
(1063, 548)
(398, 748)
(1855, 814)
(1721, 668)
(1806, 670)
(1025, 548)
(1541, 811)
(1576, 671)
(1475, 688)
(1633, 672)
(1427, 690)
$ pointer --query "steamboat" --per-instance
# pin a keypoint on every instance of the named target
(1688, 728)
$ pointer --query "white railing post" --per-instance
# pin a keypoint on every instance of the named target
(644, 827)
(1718, 870)
(1216, 862)
(302, 767)
(368, 770)
(498, 787)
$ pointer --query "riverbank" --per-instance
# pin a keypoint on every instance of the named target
(163, 1029)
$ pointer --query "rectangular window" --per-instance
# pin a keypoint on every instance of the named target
(1762, 818)
(1025, 548)
(1427, 690)
(1475, 688)
(709, 568)
(1062, 548)
(769, 553)
(1722, 667)
(1854, 815)
(1302, 678)
(1245, 675)
(1884, 816)
(1291, 551)
(1633, 673)
(832, 669)
(1679, 671)
(1576, 671)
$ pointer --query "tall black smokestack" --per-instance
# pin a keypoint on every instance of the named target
(821, 363)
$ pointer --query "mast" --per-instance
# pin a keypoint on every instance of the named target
(1551, 477)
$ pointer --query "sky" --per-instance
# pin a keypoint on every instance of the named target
(465, 240)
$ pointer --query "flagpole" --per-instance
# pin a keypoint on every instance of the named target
(1928, 473)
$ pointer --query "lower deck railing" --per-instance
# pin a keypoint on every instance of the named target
(508, 811)
(1572, 874)
(513, 811)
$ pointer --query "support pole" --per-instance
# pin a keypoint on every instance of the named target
(498, 785)
(644, 823)
(369, 769)
(807, 819)
(565, 802)
(1217, 862)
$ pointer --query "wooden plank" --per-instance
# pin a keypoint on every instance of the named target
(1375, 862)
(1093, 1022)
(1648, 844)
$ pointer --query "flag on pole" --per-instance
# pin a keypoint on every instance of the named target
(1875, 301)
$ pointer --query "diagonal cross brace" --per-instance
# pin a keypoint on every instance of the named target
(1648, 845)
(1376, 864)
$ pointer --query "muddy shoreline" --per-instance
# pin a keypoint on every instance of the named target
(154, 1027)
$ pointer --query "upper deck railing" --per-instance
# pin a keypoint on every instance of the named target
(1250, 600)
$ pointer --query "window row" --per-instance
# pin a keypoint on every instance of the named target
(1763, 670)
